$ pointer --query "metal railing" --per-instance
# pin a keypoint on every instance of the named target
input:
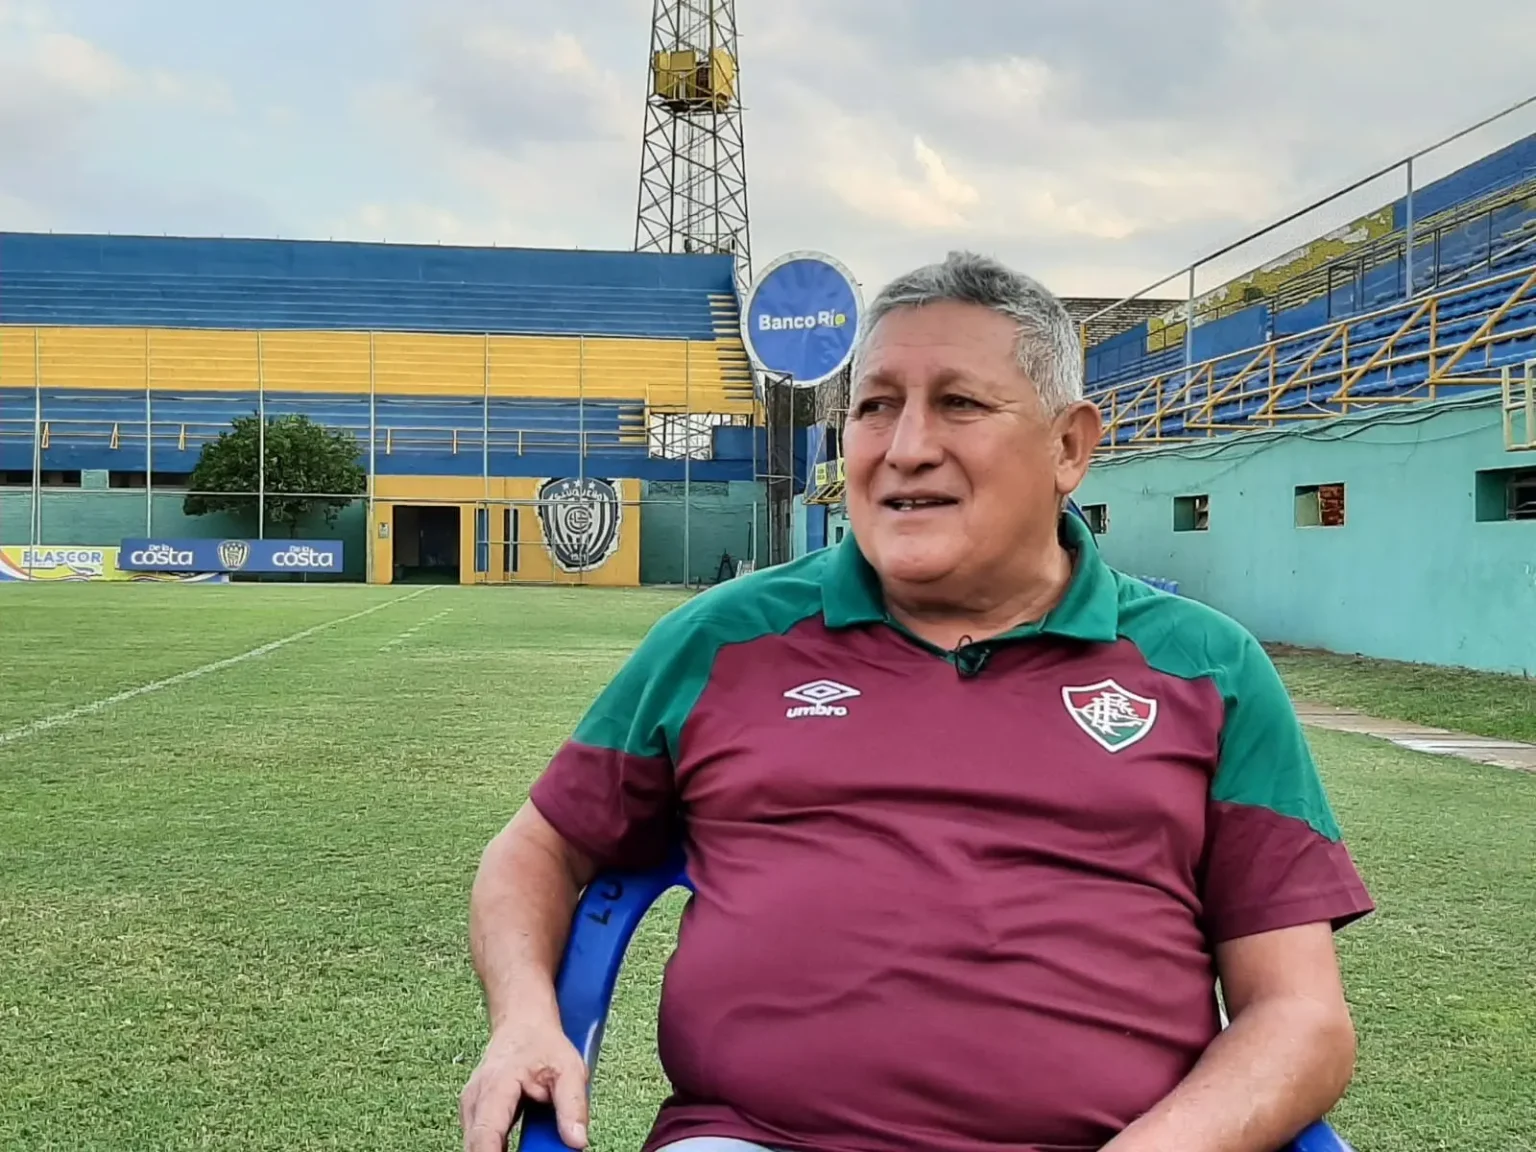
(1313, 375)
(1193, 297)
(1351, 271)
(1519, 405)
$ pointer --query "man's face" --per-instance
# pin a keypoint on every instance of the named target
(954, 468)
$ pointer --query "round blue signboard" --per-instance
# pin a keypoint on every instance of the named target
(801, 317)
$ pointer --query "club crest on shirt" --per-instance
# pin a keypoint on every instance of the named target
(1114, 716)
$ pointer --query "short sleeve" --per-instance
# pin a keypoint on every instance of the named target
(610, 789)
(1275, 856)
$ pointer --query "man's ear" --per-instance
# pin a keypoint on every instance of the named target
(1078, 428)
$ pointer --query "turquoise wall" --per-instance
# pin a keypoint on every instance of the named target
(1412, 574)
(103, 518)
(718, 518)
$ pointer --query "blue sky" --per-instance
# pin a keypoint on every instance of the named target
(1096, 143)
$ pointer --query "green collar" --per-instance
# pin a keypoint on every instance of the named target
(850, 592)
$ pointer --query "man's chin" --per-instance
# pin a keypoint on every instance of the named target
(907, 561)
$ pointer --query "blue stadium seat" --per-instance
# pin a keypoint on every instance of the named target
(178, 300)
(606, 918)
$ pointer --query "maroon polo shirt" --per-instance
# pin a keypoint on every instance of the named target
(956, 901)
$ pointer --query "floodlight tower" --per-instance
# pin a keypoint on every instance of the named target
(693, 160)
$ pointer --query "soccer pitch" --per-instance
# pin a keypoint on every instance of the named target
(238, 826)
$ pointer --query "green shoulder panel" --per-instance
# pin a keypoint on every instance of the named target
(1265, 759)
(642, 709)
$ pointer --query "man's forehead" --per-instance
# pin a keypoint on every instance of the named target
(922, 344)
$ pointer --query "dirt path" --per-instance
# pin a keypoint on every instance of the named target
(1438, 741)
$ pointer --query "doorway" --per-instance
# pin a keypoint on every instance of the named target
(426, 544)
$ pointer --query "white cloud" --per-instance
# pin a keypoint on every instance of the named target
(77, 66)
(1100, 144)
(57, 91)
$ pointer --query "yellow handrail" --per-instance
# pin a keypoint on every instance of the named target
(1175, 392)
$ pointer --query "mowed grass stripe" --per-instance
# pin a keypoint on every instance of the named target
(65, 645)
(46, 724)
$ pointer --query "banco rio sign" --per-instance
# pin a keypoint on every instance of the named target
(209, 555)
(801, 317)
(767, 323)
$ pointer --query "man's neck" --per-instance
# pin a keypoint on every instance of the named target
(944, 615)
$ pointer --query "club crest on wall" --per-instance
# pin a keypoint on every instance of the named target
(580, 518)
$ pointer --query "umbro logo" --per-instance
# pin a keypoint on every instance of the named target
(819, 698)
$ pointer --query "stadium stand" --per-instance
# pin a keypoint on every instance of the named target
(465, 362)
(1332, 327)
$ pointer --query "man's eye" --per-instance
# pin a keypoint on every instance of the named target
(960, 402)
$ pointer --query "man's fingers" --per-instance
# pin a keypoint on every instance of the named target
(488, 1115)
(570, 1099)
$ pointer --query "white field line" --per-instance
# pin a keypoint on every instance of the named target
(59, 719)
(413, 629)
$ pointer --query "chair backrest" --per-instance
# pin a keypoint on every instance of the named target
(606, 918)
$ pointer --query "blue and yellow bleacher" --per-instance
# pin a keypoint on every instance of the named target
(555, 351)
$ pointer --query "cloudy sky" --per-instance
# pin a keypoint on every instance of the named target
(1098, 143)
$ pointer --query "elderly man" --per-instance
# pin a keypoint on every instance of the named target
(975, 822)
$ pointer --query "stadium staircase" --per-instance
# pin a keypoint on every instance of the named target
(735, 367)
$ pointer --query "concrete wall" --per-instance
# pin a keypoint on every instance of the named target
(1412, 573)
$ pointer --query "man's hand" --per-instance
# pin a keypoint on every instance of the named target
(541, 1065)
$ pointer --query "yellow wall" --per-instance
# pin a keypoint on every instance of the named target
(663, 373)
(535, 564)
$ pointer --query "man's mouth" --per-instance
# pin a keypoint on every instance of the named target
(918, 503)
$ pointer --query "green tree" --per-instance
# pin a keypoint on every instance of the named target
(310, 469)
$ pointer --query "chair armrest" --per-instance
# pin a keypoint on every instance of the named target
(1318, 1138)
(606, 917)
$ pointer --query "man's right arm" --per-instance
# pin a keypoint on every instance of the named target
(521, 905)
(607, 799)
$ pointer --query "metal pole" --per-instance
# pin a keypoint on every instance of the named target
(373, 437)
(485, 424)
(687, 463)
(757, 476)
(149, 446)
(35, 528)
(261, 443)
(485, 467)
(581, 441)
(1408, 236)
(581, 409)
(1189, 327)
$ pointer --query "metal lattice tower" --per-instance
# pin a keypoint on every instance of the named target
(693, 161)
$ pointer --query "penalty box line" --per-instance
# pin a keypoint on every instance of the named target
(60, 719)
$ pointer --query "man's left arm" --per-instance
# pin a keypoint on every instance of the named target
(1277, 883)
(1282, 1063)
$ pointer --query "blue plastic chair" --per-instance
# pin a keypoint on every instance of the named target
(606, 918)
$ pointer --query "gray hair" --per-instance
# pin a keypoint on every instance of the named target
(1049, 352)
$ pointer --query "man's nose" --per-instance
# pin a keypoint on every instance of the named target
(914, 441)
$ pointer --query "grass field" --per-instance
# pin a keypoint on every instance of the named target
(232, 907)
(1503, 707)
